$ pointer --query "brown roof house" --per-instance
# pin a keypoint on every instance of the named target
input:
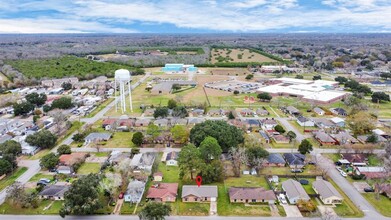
(164, 192)
(323, 138)
(193, 193)
(344, 137)
(251, 194)
(71, 159)
(327, 193)
(355, 159)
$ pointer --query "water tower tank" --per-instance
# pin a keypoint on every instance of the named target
(122, 75)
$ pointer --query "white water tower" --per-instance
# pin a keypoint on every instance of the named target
(122, 77)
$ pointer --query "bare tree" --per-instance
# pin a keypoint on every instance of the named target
(59, 119)
(238, 158)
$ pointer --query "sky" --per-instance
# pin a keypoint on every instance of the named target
(195, 16)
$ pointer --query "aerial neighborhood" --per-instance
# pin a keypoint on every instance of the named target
(224, 129)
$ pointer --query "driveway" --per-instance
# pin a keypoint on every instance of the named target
(292, 211)
(213, 208)
(360, 186)
(327, 212)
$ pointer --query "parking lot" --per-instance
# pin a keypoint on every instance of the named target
(232, 85)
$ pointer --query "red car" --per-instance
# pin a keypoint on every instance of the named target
(121, 195)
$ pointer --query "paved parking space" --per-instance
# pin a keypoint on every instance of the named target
(360, 186)
(292, 211)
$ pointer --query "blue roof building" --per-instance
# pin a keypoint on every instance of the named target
(179, 67)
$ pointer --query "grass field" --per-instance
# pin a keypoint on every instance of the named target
(87, 168)
(39, 176)
(12, 178)
(64, 66)
(40, 154)
(382, 204)
(54, 208)
(238, 56)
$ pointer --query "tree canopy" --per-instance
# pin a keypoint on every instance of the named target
(82, 198)
(180, 133)
(227, 135)
(36, 99)
(43, 139)
(210, 149)
(155, 211)
(23, 108)
(62, 103)
(138, 138)
(255, 156)
(171, 104)
(160, 112)
(180, 112)
(361, 123)
(292, 135)
(264, 96)
(64, 149)
(380, 97)
(305, 147)
(189, 160)
(279, 129)
(341, 79)
(49, 161)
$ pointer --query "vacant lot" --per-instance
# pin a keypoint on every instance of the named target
(238, 56)
(11, 179)
(88, 168)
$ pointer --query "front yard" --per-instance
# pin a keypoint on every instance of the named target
(347, 208)
(46, 207)
(382, 204)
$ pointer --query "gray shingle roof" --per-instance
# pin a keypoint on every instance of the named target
(325, 189)
(275, 158)
(54, 190)
(202, 191)
(293, 189)
(98, 136)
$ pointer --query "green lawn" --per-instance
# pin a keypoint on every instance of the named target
(192, 208)
(382, 204)
(120, 140)
(301, 128)
(87, 168)
(40, 154)
(281, 211)
(170, 173)
(127, 208)
(101, 154)
(39, 176)
(247, 181)
(347, 208)
(373, 160)
(54, 209)
(333, 157)
(8, 180)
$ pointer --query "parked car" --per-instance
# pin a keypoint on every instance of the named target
(46, 180)
(282, 199)
(343, 174)
(338, 163)
(369, 189)
(312, 163)
(121, 195)
(296, 170)
(304, 182)
(42, 183)
(339, 169)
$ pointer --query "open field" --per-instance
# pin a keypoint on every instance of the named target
(238, 56)
(39, 176)
(87, 168)
(8, 180)
(120, 140)
(65, 66)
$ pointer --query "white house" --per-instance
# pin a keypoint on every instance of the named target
(305, 122)
(319, 111)
(294, 191)
(327, 193)
(172, 159)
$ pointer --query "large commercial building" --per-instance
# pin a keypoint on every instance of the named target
(179, 67)
(318, 91)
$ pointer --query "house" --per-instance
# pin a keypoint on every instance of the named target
(319, 111)
(344, 137)
(108, 123)
(53, 192)
(71, 159)
(161, 122)
(193, 193)
(339, 111)
(295, 160)
(268, 124)
(262, 112)
(217, 112)
(67, 170)
(355, 159)
(197, 112)
(294, 191)
(158, 177)
(117, 156)
(340, 122)
(194, 121)
(134, 192)
(304, 122)
(172, 159)
(164, 192)
(327, 193)
(292, 110)
(149, 112)
(143, 161)
(246, 112)
(363, 138)
(135, 160)
(252, 124)
(265, 136)
(142, 122)
(280, 139)
(323, 123)
(275, 160)
(323, 138)
(178, 121)
(372, 172)
(251, 195)
(97, 137)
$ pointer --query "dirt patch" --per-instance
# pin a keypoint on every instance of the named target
(238, 56)
(229, 71)
(94, 159)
